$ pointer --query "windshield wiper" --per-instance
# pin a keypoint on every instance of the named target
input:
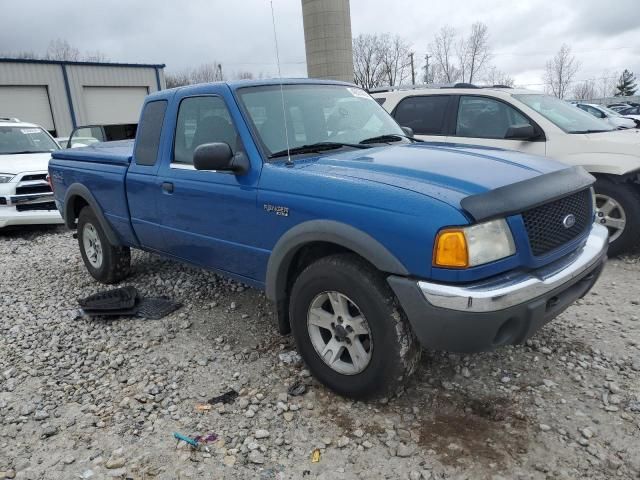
(315, 147)
(388, 138)
(590, 131)
(25, 151)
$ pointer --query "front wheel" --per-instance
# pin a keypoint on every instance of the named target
(618, 209)
(349, 328)
(105, 262)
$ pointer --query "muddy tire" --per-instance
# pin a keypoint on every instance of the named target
(618, 209)
(105, 262)
(350, 329)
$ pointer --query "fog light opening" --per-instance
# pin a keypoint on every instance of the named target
(507, 332)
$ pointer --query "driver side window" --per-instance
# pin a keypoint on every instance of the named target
(482, 117)
(202, 120)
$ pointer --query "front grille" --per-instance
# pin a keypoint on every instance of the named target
(29, 207)
(34, 176)
(545, 224)
(29, 189)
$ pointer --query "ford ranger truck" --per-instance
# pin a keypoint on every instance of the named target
(371, 244)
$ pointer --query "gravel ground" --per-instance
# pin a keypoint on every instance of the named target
(89, 398)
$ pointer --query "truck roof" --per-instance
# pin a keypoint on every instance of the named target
(235, 84)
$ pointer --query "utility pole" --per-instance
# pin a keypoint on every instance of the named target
(427, 78)
(413, 72)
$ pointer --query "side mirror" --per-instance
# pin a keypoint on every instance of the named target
(520, 132)
(408, 131)
(218, 156)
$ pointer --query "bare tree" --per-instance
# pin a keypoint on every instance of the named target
(367, 61)
(177, 79)
(445, 70)
(207, 72)
(498, 77)
(96, 56)
(243, 75)
(560, 71)
(586, 90)
(474, 52)
(394, 55)
(60, 49)
(606, 84)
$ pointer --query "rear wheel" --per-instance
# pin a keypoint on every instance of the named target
(349, 328)
(618, 209)
(105, 262)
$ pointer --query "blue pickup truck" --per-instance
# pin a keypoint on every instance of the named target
(370, 243)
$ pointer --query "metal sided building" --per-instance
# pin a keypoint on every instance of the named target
(60, 95)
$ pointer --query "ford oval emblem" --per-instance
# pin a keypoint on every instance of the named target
(569, 221)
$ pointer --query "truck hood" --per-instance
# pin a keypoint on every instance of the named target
(445, 171)
(24, 162)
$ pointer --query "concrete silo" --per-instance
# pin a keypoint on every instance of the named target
(327, 39)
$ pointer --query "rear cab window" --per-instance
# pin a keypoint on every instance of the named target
(148, 138)
(426, 115)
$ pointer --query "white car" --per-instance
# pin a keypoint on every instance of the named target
(631, 112)
(25, 195)
(612, 117)
(532, 122)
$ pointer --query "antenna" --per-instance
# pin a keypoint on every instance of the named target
(284, 114)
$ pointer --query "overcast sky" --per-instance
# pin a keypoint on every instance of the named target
(524, 34)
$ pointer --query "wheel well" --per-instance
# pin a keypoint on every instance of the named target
(77, 204)
(305, 256)
(633, 177)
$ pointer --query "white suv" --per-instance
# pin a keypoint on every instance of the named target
(25, 194)
(532, 122)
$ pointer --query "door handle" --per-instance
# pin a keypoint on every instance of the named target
(167, 187)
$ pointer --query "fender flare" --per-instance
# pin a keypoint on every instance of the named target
(77, 190)
(324, 231)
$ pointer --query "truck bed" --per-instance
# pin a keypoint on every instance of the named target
(102, 169)
(119, 152)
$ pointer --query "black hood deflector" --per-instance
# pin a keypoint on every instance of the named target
(527, 194)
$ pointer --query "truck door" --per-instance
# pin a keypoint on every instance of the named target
(209, 216)
(142, 180)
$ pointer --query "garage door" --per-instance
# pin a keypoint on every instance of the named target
(105, 105)
(29, 104)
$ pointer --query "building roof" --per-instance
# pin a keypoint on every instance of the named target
(90, 64)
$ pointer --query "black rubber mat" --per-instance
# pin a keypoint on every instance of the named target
(155, 308)
(119, 299)
(126, 302)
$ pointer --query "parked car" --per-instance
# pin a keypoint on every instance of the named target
(366, 240)
(90, 134)
(617, 107)
(612, 117)
(531, 122)
(25, 195)
(633, 113)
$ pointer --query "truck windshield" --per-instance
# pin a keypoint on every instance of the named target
(15, 140)
(316, 114)
(564, 115)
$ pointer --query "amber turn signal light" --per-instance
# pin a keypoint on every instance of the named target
(451, 249)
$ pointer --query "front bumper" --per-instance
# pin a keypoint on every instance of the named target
(501, 311)
(28, 209)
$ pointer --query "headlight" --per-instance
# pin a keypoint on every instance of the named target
(6, 177)
(472, 246)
